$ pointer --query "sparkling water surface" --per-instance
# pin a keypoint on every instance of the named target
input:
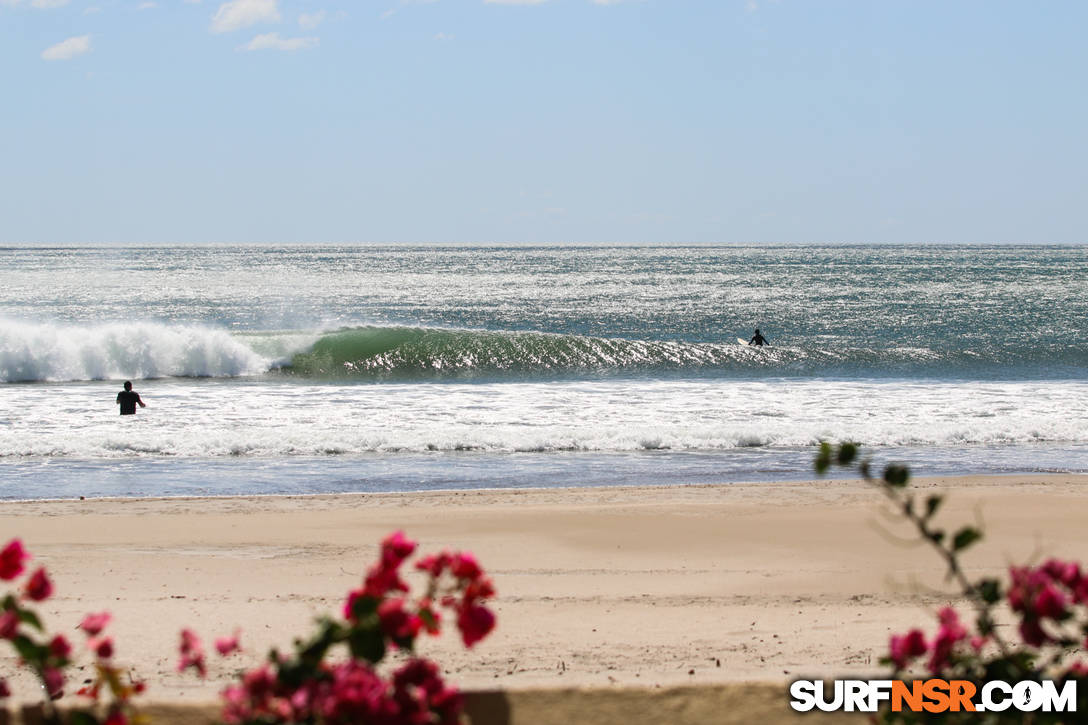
(324, 369)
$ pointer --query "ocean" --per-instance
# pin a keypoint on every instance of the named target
(320, 369)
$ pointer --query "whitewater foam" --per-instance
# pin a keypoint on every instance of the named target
(40, 352)
(221, 419)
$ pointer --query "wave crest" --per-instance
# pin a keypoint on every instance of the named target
(381, 352)
(48, 352)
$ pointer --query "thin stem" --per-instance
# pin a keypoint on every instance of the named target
(970, 590)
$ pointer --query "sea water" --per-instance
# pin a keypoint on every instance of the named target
(307, 369)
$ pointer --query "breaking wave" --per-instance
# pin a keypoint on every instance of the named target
(48, 352)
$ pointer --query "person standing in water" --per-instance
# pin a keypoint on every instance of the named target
(758, 340)
(128, 398)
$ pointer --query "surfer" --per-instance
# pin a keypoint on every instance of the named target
(758, 340)
(128, 398)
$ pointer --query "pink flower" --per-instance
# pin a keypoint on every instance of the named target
(259, 682)
(419, 689)
(192, 653)
(904, 648)
(53, 679)
(1049, 602)
(59, 647)
(398, 624)
(1024, 581)
(465, 566)
(38, 587)
(356, 694)
(190, 642)
(950, 632)
(236, 708)
(434, 564)
(381, 580)
(475, 622)
(1080, 591)
(196, 661)
(1037, 592)
(479, 588)
(12, 560)
(103, 648)
(1066, 572)
(396, 548)
(1032, 633)
(226, 645)
(9, 625)
(93, 624)
(1078, 669)
(116, 717)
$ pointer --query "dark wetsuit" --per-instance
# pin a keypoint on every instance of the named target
(759, 340)
(128, 399)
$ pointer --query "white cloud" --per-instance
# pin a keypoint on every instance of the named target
(514, 2)
(273, 41)
(310, 21)
(92, 10)
(443, 36)
(67, 49)
(9, 3)
(238, 14)
(43, 4)
(147, 6)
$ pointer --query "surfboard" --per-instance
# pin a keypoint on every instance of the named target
(742, 341)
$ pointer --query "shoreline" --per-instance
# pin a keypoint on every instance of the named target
(694, 584)
(515, 490)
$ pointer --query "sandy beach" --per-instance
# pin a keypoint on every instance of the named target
(603, 587)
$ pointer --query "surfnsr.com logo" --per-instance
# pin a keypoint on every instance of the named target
(933, 695)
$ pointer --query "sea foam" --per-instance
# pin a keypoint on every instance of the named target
(39, 352)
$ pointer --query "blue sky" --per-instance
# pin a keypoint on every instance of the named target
(671, 121)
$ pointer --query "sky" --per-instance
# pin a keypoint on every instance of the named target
(543, 121)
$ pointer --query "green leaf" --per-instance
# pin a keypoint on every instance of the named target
(294, 674)
(363, 607)
(896, 476)
(429, 620)
(313, 652)
(989, 590)
(367, 643)
(28, 617)
(965, 537)
(28, 650)
(933, 503)
(823, 458)
(847, 453)
(81, 717)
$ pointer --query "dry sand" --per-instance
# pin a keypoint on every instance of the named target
(603, 587)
